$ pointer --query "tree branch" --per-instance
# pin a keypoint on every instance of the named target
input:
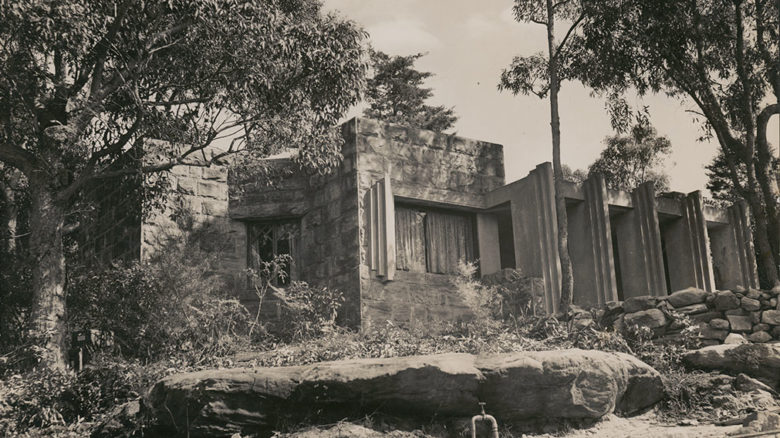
(18, 158)
(568, 33)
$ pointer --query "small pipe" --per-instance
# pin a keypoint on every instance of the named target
(484, 417)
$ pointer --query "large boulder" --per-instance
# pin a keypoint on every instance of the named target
(756, 360)
(574, 384)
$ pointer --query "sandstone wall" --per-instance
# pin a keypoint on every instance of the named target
(327, 209)
(425, 168)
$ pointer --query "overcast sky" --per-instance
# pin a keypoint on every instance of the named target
(469, 43)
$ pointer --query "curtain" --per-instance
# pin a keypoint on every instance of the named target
(410, 239)
(450, 238)
(432, 241)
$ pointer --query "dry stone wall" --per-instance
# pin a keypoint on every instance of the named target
(726, 316)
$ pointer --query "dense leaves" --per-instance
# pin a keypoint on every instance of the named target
(396, 94)
(634, 159)
(86, 85)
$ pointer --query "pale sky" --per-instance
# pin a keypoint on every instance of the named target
(469, 42)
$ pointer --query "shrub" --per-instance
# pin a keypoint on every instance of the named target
(483, 300)
(171, 305)
(308, 311)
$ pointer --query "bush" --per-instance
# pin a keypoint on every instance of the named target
(171, 305)
(308, 311)
(57, 399)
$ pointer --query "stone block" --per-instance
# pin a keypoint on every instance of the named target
(212, 189)
(773, 302)
(761, 328)
(686, 297)
(740, 323)
(186, 186)
(750, 304)
(738, 312)
(755, 317)
(706, 316)
(719, 324)
(771, 317)
(760, 337)
(776, 332)
(753, 294)
(636, 304)
(725, 300)
(652, 318)
(735, 338)
(694, 309)
(214, 208)
(710, 333)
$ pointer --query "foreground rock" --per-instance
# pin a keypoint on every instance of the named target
(758, 360)
(574, 384)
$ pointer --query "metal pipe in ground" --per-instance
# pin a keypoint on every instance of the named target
(484, 417)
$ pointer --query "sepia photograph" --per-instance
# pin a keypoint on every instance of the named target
(399, 219)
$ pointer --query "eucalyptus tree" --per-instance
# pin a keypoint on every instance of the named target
(85, 83)
(541, 74)
(634, 158)
(721, 56)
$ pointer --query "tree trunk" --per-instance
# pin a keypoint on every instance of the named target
(47, 325)
(567, 272)
(766, 260)
(8, 217)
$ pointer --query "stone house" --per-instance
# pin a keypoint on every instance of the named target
(389, 226)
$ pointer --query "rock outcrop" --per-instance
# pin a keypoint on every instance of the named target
(575, 384)
(757, 360)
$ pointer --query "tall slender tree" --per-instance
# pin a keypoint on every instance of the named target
(84, 84)
(541, 74)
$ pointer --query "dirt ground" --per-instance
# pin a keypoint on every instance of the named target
(643, 426)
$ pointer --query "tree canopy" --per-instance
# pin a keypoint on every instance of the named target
(721, 55)
(395, 94)
(633, 159)
(84, 84)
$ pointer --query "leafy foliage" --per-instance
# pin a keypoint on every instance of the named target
(85, 86)
(172, 305)
(395, 94)
(308, 312)
(634, 159)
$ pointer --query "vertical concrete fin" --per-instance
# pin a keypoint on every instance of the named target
(488, 241)
(646, 217)
(547, 225)
(373, 228)
(382, 238)
(739, 219)
(602, 265)
(699, 241)
(389, 226)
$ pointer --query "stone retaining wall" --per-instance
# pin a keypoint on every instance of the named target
(729, 316)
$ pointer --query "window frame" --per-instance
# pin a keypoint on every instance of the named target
(253, 256)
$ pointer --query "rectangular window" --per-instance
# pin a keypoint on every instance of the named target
(269, 240)
(433, 240)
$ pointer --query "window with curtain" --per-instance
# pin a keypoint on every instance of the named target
(433, 240)
(269, 239)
